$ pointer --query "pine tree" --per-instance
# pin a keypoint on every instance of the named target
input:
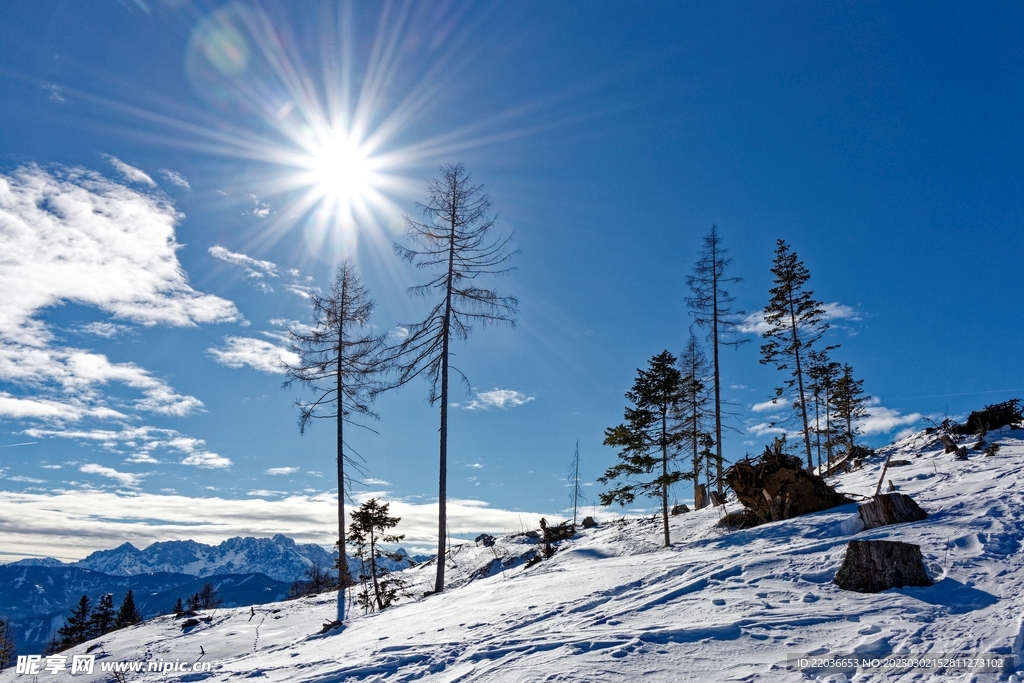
(455, 241)
(8, 652)
(102, 620)
(649, 438)
(850, 404)
(77, 627)
(129, 614)
(178, 607)
(368, 530)
(795, 322)
(823, 374)
(341, 361)
(712, 309)
(692, 412)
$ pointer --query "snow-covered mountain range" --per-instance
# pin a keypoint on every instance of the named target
(278, 557)
(613, 605)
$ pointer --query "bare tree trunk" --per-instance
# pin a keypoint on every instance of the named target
(342, 556)
(800, 383)
(718, 388)
(664, 474)
(442, 487)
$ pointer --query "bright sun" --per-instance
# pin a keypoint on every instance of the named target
(338, 170)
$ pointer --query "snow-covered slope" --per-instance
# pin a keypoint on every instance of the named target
(611, 605)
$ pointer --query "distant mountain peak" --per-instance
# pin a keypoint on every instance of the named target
(279, 557)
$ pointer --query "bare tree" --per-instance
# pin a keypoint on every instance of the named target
(712, 309)
(454, 241)
(576, 494)
(795, 322)
(693, 411)
(341, 361)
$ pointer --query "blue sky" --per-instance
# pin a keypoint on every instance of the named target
(163, 214)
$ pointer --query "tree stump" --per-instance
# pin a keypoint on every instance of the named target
(589, 522)
(949, 444)
(875, 566)
(679, 509)
(890, 508)
(700, 497)
(717, 499)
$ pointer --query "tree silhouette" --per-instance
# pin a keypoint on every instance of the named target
(342, 361)
(649, 437)
(850, 404)
(712, 309)
(77, 627)
(795, 322)
(102, 619)
(693, 412)
(128, 614)
(455, 242)
(367, 532)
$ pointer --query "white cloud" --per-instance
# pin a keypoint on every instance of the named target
(46, 409)
(755, 324)
(143, 441)
(376, 482)
(766, 429)
(54, 91)
(71, 524)
(254, 268)
(105, 330)
(75, 236)
(281, 470)
(130, 173)
(766, 406)
(882, 420)
(176, 178)
(256, 353)
(400, 332)
(496, 398)
(124, 478)
(25, 480)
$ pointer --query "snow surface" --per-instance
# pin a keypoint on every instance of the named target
(612, 605)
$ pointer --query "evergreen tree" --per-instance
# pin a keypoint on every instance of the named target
(77, 627)
(102, 620)
(368, 530)
(341, 361)
(8, 652)
(795, 322)
(650, 437)
(692, 412)
(455, 241)
(850, 404)
(178, 607)
(712, 309)
(129, 614)
(823, 374)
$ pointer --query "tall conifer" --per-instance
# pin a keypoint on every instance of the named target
(795, 322)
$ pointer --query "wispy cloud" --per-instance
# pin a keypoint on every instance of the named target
(105, 329)
(176, 178)
(130, 173)
(281, 470)
(755, 324)
(882, 420)
(254, 268)
(767, 406)
(141, 442)
(55, 93)
(256, 353)
(123, 478)
(496, 398)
